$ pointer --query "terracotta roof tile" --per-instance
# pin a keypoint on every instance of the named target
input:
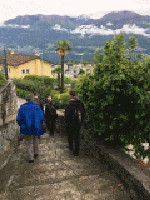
(17, 59)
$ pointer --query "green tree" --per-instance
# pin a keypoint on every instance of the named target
(81, 71)
(62, 47)
(57, 71)
(117, 95)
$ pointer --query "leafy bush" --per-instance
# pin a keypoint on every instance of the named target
(53, 93)
(67, 80)
(64, 99)
(117, 96)
(27, 84)
(47, 80)
(22, 93)
(31, 84)
(2, 79)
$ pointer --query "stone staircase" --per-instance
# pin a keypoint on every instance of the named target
(58, 175)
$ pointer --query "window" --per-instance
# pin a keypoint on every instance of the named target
(25, 71)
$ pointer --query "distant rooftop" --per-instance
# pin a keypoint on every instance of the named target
(13, 59)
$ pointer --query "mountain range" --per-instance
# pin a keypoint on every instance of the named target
(38, 33)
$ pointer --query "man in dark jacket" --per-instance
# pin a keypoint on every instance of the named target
(38, 101)
(74, 117)
(50, 115)
(30, 118)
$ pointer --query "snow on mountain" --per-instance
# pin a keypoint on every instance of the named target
(2, 25)
(58, 27)
(109, 24)
(94, 30)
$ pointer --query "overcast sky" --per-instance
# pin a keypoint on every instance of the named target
(9, 9)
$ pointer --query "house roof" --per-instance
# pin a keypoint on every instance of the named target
(17, 59)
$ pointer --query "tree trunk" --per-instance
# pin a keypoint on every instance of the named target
(62, 74)
(59, 80)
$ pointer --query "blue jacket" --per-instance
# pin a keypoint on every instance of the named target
(30, 118)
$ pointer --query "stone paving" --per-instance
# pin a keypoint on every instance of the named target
(57, 175)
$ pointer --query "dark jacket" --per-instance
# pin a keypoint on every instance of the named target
(40, 103)
(50, 111)
(75, 102)
(30, 118)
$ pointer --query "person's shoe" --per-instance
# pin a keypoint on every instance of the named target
(20, 139)
(31, 161)
(35, 155)
(75, 153)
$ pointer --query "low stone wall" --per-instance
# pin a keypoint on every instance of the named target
(122, 165)
(9, 129)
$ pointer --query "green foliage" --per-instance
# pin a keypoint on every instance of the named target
(2, 79)
(64, 99)
(54, 93)
(33, 83)
(22, 93)
(117, 96)
(62, 45)
(47, 80)
(81, 71)
(67, 80)
(74, 84)
(57, 70)
(28, 84)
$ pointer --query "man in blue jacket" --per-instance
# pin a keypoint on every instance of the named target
(30, 118)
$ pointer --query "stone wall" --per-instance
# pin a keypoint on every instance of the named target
(9, 129)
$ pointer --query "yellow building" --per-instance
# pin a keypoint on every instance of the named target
(22, 65)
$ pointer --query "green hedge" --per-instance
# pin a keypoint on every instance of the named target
(22, 93)
(47, 80)
(2, 79)
(30, 84)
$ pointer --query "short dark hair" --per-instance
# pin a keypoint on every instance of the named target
(29, 97)
(72, 93)
(36, 93)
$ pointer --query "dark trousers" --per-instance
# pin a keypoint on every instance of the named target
(51, 126)
(74, 138)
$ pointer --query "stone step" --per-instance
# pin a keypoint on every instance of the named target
(40, 177)
(58, 175)
(92, 187)
(78, 165)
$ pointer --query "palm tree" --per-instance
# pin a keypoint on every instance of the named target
(62, 47)
(57, 71)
